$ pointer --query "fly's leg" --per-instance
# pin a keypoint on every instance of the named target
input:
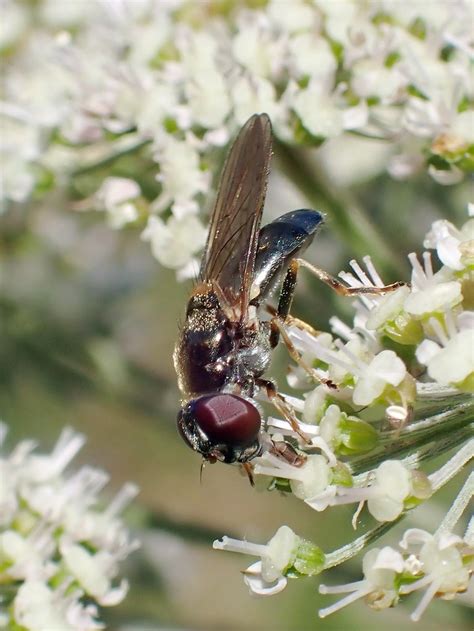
(279, 326)
(292, 321)
(339, 287)
(285, 301)
(282, 406)
(286, 452)
(247, 469)
(281, 315)
(288, 289)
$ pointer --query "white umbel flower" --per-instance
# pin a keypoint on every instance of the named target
(284, 553)
(116, 196)
(180, 176)
(455, 248)
(93, 572)
(308, 480)
(175, 242)
(380, 569)
(431, 293)
(441, 562)
(450, 359)
(46, 561)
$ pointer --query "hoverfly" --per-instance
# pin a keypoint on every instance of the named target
(224, 347)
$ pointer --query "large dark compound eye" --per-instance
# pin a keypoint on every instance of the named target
(222, 419)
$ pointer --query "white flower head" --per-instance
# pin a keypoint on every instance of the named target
(175, 243)
(180, 176)
(392, 485)
(318, 111)
(450, 357)
(35, 607)
(284, 553)
(441, 562)
(256, 94)
(431, 293)
(386, 369)
(455, 248)
(116, 196)
(380, 569)
(306, 481)
(204, 85)
(256, 48)
(93, 572)
(40, 557)
(313, 57)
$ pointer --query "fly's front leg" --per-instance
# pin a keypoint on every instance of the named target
(342, 289)
(247, 469)
(282, 406)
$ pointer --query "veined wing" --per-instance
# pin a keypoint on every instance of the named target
(232, 241)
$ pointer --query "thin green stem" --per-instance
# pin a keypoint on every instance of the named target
(453, 466)
(457, 410)
(469, 534)
(458, 507)
(436, 447)
(341, 555)
(450, 424)
(109, 158)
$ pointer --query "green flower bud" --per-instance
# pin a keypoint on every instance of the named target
(309, 559)
(342, 475)
(356, 436)
(404, 329)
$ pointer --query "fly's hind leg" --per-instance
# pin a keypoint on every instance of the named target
(284, 302)
(282, 312)
(282, 317)
(342, 289)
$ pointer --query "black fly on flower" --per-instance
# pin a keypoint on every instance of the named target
(225, 346)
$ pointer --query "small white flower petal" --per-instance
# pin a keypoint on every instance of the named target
(454, 363)
(313, 477)
(389, 559)
(257, 585)
(434, 298)
(426, 351)
(414, 536)
(385, 508)
(389, 367)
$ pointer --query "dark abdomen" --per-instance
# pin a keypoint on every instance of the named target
(204, 340)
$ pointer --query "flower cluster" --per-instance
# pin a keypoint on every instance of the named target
(87, 83)
(375, 416)
(441, 564)
(59, 554)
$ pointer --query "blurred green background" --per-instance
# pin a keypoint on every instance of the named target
(88, 323)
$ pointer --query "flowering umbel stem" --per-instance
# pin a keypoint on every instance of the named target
(367, 439)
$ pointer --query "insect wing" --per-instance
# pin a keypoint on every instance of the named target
(232, 241)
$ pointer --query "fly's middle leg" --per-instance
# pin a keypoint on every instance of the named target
(282, 406)
(278, 325)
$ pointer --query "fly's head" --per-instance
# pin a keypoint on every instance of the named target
(222, 427)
